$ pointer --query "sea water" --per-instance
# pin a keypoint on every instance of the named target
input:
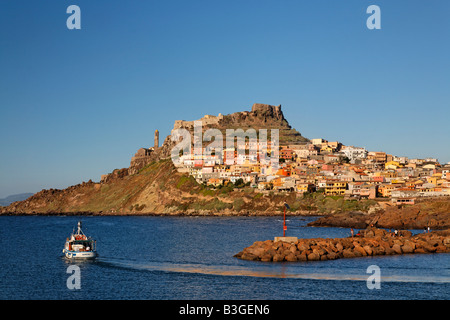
(192, 258)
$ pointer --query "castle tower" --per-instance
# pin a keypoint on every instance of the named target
(156, 139)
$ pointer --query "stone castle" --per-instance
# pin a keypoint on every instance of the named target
(206, 120)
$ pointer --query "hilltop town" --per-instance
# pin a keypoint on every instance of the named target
(307, 166)
(332, 168)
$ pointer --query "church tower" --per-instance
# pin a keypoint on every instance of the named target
(156, 139)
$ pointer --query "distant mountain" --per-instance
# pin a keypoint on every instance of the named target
(13, 198)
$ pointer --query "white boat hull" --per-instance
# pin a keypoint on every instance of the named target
(79, 254)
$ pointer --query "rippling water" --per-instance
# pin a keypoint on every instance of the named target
(192, 258)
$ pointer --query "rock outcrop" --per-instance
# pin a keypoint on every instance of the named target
(428, 213)
(263, 116)
(372, 242)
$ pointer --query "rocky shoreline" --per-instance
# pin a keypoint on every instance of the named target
(370, 242)
(188, 213)
(432, 213)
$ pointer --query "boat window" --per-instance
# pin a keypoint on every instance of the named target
(82, 242)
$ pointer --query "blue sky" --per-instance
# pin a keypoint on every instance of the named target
(75, 104)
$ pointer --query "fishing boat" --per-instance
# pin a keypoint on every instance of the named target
(79, 246)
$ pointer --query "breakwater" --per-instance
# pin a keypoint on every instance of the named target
(368, 242)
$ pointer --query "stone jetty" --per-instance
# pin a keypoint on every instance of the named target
(368, 242)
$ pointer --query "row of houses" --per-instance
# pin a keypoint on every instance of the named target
(329, 167)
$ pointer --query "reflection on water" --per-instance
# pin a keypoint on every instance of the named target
(270, 270)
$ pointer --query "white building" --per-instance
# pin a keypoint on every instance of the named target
(354, 153)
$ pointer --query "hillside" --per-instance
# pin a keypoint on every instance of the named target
(158, 188)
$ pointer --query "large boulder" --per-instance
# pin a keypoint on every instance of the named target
(408, 247)
(248, 256)
(360, 250)
(446, 241)
(332, 256)
(267, 258)
(278, 257)
(379, 250)
(348, 253)
(313, 257)
(368, 250)
(397, 248)
(303, 246)
(291, 257)
(302, 257)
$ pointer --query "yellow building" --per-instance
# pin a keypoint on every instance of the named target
(335, 188)
(277, 182)
(389, 174)
(433, 180)
(326, 149)
(413, 184)
(305, 187)
(386, 190)
(398, 181)
(392, 165)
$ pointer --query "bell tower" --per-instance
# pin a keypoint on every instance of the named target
(156, 139)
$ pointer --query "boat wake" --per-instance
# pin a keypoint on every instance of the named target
(279, 271)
